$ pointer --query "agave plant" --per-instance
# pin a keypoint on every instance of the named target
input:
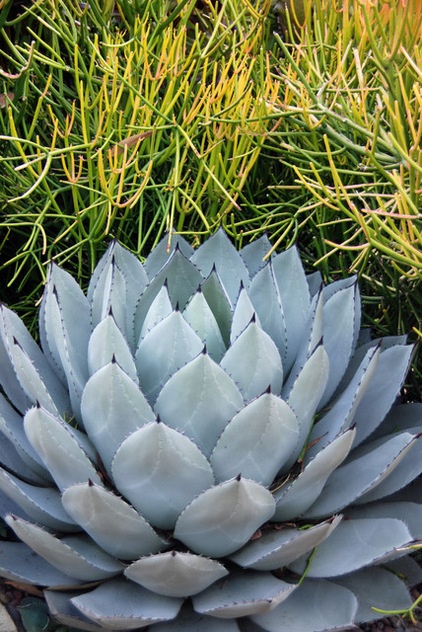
(207, 442)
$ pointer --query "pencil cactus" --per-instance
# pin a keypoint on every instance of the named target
(206, 441)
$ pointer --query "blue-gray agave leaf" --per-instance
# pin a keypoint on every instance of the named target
(218, 253)
(305, 396)
(164, 350)
(340, 327)
(377, 585)
(103, 514)
(277, 548)
(181, 278)
(76, 556)
(362, 542)
(207, 441)
(163, 251)
(65, 329)
(108, 344)
(340, 415)
(255, 254)
(58, 448)
(26, 375)
(63, 611)
(42, 504)
(32, 468)
(200, 317)
(160, 471)
(295, 300)
(186, 401)
(19, 563)
(223, 518)
(159, 309)
(254, 363)
(243, 313)
(175, 574)
(247, 442)
(116, 284)
(190, 621)
(248, 593)
(293, 498)
(219, 302)
(265, 296)
(136, 607)
(310, 609)
(362, 473)
(113, 407)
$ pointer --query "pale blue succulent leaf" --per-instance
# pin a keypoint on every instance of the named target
(355, 544)
(135, 607)
(340, 414)
(305, 395)
(163, 351)
(116, 284)
(175, 573)
(400, 417)
(407, 470)
(265, 296)
(160, 308)
(218, 253)
(182, 279)
(314, 281)
(187, 401)
(382, 391)
(159, 256)
(257, 441)
(311, 338)
(110, 297)
(42, 504)
(58, 449)
(255, 254)
(243, 313)
(276, 548)
(200, 317)
(254, 363)
(295, 299)
(12, 428)
(408, 512)
(160, 471)
(242, 594)
(223, 518)
(107, 343)
(310, 609)
(376, 588)
(111, 522)
(190, 621)
(219, 302)
(20, 563)
(407, 568)
(113, 407)
(62, 609)
(363, 472)
(344, 284)
(66, 311)
(294, 498)
(8, 379)
(341, 314)
(23, 360)
(76, 556)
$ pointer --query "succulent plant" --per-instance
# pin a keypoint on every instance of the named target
(208, 442)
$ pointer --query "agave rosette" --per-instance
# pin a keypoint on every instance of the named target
(207, 442)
